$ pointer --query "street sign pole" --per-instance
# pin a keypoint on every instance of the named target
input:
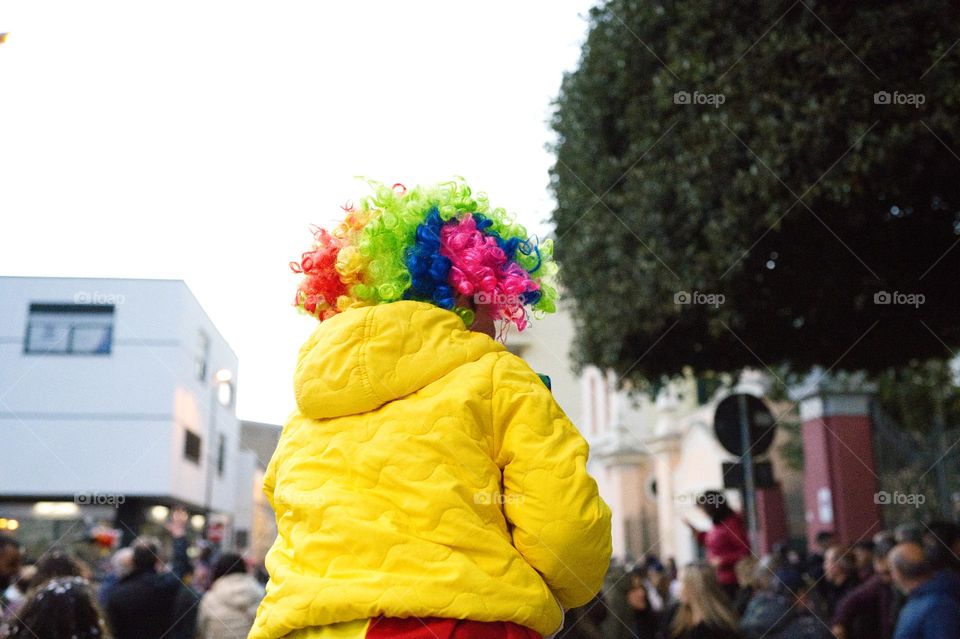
(749, 487)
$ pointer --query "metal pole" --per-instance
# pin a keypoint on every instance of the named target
(749, 489)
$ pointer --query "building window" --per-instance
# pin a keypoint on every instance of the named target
(69, 329)
(221, 454)
(203, 354)
(191, 447)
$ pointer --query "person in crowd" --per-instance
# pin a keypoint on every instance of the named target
(794, 560)
(9, 565)
(615, 622)
(16, 592)
(726, 542)
(671, 567)
(839, 577)
(260, 572)
(932, 608)
(655, 582)
(745, 570)
(62, 608)
(186, 607)
(203, 567)
(645, 617)
(813, 567)
(863, 559)
(783, 607)
(54, 563)
(229, 607)
(911, 531)
(140, 606)
(868, 611)
(586, 622)
(941, 544)
(472, 508)
(57, 563)
(121, 565)
(704, 611)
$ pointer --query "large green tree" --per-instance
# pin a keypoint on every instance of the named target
(797, 158)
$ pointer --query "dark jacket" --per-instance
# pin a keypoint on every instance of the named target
(186, 606)
(867, 612)
(774, 616)
(584, 622)
(932, 610)
(140, 606)
(703, 631)
(833, 593)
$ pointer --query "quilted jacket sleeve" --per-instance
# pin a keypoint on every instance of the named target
(560, 524)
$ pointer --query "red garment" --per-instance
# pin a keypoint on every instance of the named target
(726, 544)
(867, 610)
(436, 628)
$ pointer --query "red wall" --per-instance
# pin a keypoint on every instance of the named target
(838, 456)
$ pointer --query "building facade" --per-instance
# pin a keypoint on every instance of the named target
(117, 400)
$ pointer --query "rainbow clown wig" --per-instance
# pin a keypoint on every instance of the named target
(441, 244)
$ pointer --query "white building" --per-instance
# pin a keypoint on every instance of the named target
(117, 404)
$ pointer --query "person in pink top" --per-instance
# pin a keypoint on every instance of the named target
(726, 542)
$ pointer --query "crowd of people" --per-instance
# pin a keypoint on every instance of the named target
(899, 584)
(140, 596)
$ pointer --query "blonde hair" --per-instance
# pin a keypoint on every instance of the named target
(705, 601)
(746, 570)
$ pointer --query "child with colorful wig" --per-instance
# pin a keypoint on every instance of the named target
(428, 485)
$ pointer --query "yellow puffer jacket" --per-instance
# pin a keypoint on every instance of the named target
(427, 472)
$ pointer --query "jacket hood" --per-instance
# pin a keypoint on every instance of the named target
(365, 357)
(238, 591)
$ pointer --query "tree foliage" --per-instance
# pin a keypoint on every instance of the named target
(798, 199)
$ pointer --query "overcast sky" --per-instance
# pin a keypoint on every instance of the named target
(197, 140)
